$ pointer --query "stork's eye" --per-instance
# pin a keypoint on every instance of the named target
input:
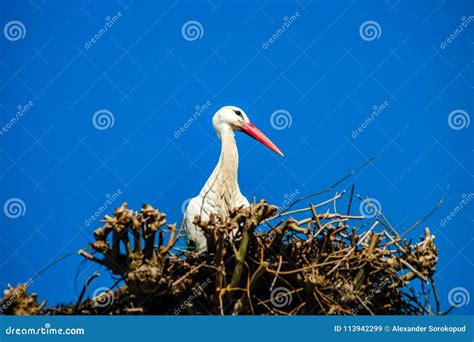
(239, 113)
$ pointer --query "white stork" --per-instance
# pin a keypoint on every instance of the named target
(221, 193)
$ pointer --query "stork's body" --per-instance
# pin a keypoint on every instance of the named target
(221, 193)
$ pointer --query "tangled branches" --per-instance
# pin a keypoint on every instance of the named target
(259, 263)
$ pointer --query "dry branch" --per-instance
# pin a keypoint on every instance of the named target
(319, 264)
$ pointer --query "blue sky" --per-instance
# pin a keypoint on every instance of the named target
(322, 66)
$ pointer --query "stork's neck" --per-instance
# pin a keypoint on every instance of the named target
(222, 186)
(229, 158)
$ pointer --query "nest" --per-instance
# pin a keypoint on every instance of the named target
(323, 263)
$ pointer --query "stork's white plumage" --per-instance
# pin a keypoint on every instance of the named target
(221, 192)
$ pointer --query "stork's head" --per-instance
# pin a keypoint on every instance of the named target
(233, 118)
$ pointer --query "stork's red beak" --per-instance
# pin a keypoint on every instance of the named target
(255, 133)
